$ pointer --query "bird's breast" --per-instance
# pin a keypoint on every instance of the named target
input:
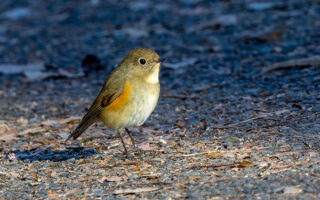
(145, 101)
(133, 106)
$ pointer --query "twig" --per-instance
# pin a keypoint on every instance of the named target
(228, 178)
(304, 62)
(292, 152)
(293, 165)
(25, 132)
(266, 168)
(200, 153)
(237, 125)
(227, 196)
(278, 171)
(88, 179)
(134, 183)
(51, 122)
(303, 141)
(223, 179)
(209, 166)
(127, 163)
(44, 141)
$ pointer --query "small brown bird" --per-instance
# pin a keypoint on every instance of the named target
(128, 96)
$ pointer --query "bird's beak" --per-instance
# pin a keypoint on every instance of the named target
(161, 60)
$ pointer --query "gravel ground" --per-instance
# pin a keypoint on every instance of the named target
(238, 115)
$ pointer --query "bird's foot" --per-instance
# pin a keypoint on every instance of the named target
(139, 152)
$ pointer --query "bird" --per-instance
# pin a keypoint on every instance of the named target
(128, 96)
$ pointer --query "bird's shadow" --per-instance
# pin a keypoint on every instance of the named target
(40, 154)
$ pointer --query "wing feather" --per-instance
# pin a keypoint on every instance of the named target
(112, 89)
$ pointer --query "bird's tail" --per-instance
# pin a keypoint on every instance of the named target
(84, 124)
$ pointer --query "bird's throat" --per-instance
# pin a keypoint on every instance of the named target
(153, 76)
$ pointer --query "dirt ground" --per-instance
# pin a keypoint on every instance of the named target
(237, 118)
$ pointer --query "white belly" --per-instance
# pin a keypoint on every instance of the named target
(144, 108)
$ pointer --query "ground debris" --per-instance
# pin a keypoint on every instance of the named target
(304, 62)
(228, 123)
(137, 190)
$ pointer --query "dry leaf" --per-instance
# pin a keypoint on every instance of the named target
(53, 195)
(143, 171)
(263, 164)
(214, 155)
(136, 168)
(199, 144)
(15, 174)
(34, 184)
(136, 190)
(113, 179)
(242, 156)
(87, 179)
(245, 164)
(146, 147)
(33, 175)
(292, 190)
(181, 186)
(229, 155)
(195, 177)
(152, 176)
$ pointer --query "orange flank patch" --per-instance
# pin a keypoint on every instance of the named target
(122, 99)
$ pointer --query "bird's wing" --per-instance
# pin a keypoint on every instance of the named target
(112, 89)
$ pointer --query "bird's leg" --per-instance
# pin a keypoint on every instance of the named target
(132, 139)
(133, 143)
(122, 141)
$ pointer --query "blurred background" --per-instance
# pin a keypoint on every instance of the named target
(229, 36)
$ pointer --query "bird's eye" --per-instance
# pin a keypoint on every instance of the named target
(142, 61)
